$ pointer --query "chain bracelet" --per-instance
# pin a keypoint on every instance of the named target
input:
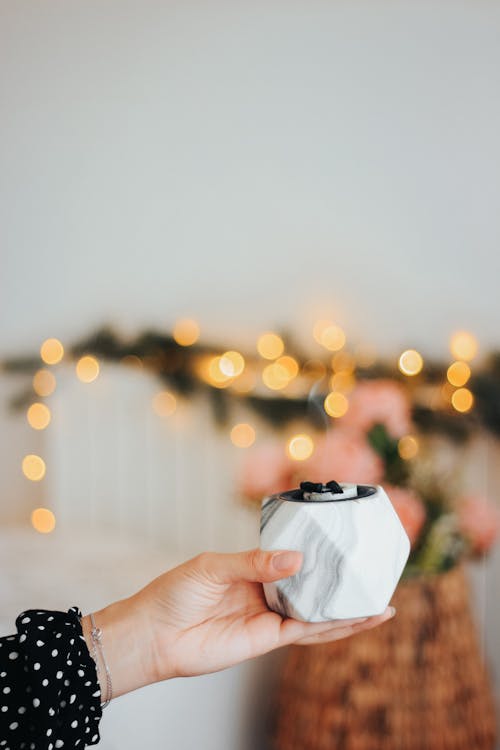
(96, 635)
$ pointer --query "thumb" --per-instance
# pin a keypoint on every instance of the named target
(252, 565)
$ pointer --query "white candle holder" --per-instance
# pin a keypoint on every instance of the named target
(354, 545)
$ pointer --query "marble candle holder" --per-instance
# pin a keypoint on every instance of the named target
(354, 548)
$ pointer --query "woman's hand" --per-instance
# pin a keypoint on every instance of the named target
(205, 615)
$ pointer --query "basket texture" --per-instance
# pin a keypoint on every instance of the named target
(415, 683)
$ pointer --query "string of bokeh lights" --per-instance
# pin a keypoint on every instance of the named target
(278, 372)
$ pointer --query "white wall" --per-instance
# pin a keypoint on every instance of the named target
(252, 164)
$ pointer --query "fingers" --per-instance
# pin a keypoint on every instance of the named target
(252, 565)
(342, 629)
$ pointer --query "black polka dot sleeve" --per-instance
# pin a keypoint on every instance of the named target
(49, 691)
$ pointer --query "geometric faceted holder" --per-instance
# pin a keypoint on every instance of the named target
(354, 548)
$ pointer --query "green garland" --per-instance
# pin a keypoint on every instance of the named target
(174, 365)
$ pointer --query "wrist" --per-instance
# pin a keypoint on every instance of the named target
(126, 645)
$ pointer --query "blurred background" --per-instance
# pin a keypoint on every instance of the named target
(183, 179)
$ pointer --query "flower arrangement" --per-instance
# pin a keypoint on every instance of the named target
(375, 443)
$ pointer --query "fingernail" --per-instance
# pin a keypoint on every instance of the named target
(392, 611)
(284, 560)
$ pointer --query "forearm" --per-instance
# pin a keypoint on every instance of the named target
(126, 644)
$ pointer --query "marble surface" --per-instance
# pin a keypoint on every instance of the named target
(354, 553)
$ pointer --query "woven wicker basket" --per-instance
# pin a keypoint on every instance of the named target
(415, 683)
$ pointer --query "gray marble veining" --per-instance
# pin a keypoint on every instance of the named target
(354, 547)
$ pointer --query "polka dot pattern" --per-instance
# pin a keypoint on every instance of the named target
(49, 694)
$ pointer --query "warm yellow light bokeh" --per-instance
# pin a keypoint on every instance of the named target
(208, 369)
(33, 467)
(242, 435)
(319, 328)
(44, 382)
(164, 403)
(408, 447)
(201, 366)
(333, 338)
(300, 447)
(43, 520)
(290, 365)
(87, 369)
(215, 375)
(342, 381)
(463, 345)
(186, 332)
(231, 364)
(329, 335)
(458, 373)
(38, 416)
(411, 362)
(336, 404)
(51, 351)
(275, 376)
(343, 362)
(462, 400)
(270, 345)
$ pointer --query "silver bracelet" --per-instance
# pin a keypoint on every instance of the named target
(96, 635)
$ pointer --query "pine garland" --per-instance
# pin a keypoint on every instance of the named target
(175, 366)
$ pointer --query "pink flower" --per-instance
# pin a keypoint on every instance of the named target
(264, 471)
(344, 456)
(410, 509)
(379, 401)
(479, 521)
